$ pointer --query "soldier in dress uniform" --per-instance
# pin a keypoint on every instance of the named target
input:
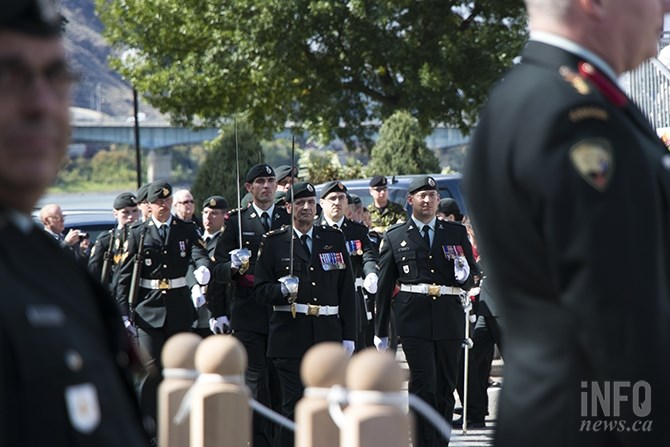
(112, 244)
(142, 203)
(432, 260)
(569, 190)
(286, 177)
(249, 319)
(383, 212)
(363, 254)
(322, 308)
(213, 316)
(162, 248)
(64, 355)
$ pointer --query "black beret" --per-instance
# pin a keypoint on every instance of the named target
(332, 187)
(378, 180)
(422, 183)
(284, 171)
(300, 191)
(355, 199)
(125, 199)
(142, 193)
(216, 203)
(160, 189)
(280, 198)
(450, 206)
(34, 17)
(260, 170)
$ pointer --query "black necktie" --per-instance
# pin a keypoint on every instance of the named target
(163, 233)
(207, 239)
(426, 235)
(304, 239)
(265, 219)
(336, 226)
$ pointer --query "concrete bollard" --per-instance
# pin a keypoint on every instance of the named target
(219, 410)
(323, 366)
(376, 414)
(179, 374)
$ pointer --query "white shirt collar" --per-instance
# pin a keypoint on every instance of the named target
(576, 49)
(309, 233)
(206, 235)
(260, 211)
(331, 223)
(159, 224)
(420, 224)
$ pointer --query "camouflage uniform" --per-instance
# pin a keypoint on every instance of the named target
(383, 218)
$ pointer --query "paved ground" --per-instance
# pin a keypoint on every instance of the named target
(479, 437)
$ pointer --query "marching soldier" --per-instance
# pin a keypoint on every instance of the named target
(322, 308)
(249, 319)
(383, 212)
(215, 313)
(159, 304)
(107, 253)
(142, 203)
(363, 254)
(432, 260)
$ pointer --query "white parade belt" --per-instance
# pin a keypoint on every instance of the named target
(163, 284)
(309, 309)
(431, 289)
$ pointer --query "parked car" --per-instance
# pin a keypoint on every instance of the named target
(448, 185)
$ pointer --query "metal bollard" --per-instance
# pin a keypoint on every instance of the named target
(323, 366)
(179, 373)
(219, 405)
(376, 414)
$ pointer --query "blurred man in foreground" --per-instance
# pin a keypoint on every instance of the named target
(64, 354)
(573, 221)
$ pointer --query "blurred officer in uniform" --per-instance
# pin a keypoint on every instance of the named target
(322, 310)
(64, 355)
(448, 209)
(383, 212)
(569, 191)
(163, 247)
(286, 177)
(112, 244)
(432, 260)
(249, 319)
(363, 254)
(212, 318)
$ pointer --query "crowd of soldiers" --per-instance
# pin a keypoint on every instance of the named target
(289, 270)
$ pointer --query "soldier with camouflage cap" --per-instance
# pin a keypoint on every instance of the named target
(383, 212)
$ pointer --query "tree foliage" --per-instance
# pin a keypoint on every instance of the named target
(401, 148)
(330, 66)
(218, 173)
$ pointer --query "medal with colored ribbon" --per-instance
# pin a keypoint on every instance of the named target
(332, 261)
(182, 249)
(355, 247)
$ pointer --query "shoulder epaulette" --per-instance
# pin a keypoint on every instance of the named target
(395, 226)
(283, 229)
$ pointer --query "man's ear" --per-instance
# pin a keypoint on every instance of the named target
(594, 8)
(247, 186)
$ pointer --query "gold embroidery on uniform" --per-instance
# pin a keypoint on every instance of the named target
(582, 113)
(575, 79)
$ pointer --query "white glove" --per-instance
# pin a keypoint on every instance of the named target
(370, 282)
(219, 325)
(288, 283)
(239, 257)
(382, 344)
(197, 296)
(202, 275)
(349, 346)
(130, 327)
(461, 269)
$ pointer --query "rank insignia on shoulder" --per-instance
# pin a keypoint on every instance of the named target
(594, 161)
(577, 82)
(593, 112)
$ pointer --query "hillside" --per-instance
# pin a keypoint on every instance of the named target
(100, 88)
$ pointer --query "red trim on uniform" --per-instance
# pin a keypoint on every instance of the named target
(604, 84)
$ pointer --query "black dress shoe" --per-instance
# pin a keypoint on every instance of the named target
(458, 423)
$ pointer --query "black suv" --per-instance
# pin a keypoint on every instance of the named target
(448, 184)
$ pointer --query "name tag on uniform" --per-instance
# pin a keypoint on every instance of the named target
(45, 316)
(83, 407)
(248, 233)
(355, 247)
(332, 261)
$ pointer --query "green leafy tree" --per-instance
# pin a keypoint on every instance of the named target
(331, 66)
(217, 174)
(401, 148)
